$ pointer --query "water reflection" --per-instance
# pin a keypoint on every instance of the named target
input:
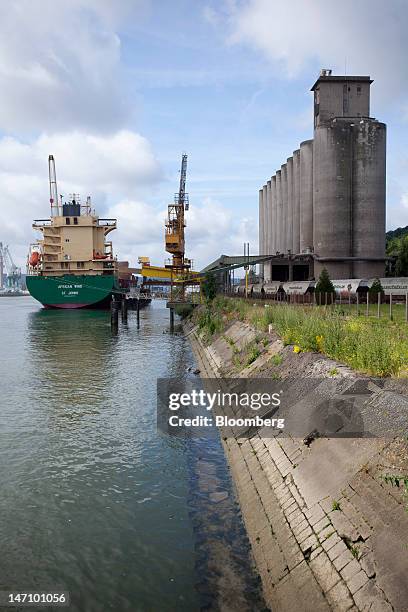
(72, 359)
(93, 500)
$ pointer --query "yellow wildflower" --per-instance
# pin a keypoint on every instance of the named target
(296, 348)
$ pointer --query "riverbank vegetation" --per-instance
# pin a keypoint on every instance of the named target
(375, 346)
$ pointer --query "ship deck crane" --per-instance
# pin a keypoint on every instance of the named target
(52, 174)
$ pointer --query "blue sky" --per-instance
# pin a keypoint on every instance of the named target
(118, 90)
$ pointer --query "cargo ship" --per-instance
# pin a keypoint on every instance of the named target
(73, 265)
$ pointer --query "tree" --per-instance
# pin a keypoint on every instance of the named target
(209, 287)
(402, 257)
(324, 284)
(376, 287)
(375, 290)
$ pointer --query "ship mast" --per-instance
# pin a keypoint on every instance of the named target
(53, 186)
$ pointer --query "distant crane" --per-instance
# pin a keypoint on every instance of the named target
(175, 224)
(13, 271)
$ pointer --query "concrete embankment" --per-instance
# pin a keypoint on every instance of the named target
(327, 530)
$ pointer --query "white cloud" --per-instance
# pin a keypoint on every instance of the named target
(119, 171)
(214, 230)
(60, 64)
(210, 228)
(107, 168)
(123, 162)
(397, 215)
(369, 35)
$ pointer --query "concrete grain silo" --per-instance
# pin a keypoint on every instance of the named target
(306, 196)
(260, 234)
(348, 179)
(332, 211)
(328, 200)
(284, 219)
(265, 204)
(274, 202)
(279, 212)
(296, 202)
(289, 214)
(368, 182)
(268, 228)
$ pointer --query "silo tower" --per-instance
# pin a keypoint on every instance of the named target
(349, 153)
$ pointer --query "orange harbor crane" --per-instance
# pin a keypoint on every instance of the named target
(174, 231)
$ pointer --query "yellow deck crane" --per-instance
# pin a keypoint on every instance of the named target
(174, 232)
(175, 224)
(178, 270)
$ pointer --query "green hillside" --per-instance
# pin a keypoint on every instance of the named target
(400, 232)
(397, 244)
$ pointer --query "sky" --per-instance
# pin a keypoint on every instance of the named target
(117, 90)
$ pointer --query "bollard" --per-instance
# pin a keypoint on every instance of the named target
(172, 319)
(358, 303)
(391, 306)
(124, 310)
(368, 305)
(378, 304)
(138, 312)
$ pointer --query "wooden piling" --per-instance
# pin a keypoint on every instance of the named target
(124, 310)
(114, 315)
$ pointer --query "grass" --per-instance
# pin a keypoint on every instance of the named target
(398, 311)
(229, 341)
(355, 552)
(374, 346)
(401, 482)
(253, 352)
(277, 360)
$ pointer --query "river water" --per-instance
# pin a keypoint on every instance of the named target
(93, 500)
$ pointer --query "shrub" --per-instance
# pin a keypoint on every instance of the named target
(183, 310)
(209, 287)
(375, 289)
(324, 284)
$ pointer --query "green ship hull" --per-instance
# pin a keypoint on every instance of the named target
(69, 291)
